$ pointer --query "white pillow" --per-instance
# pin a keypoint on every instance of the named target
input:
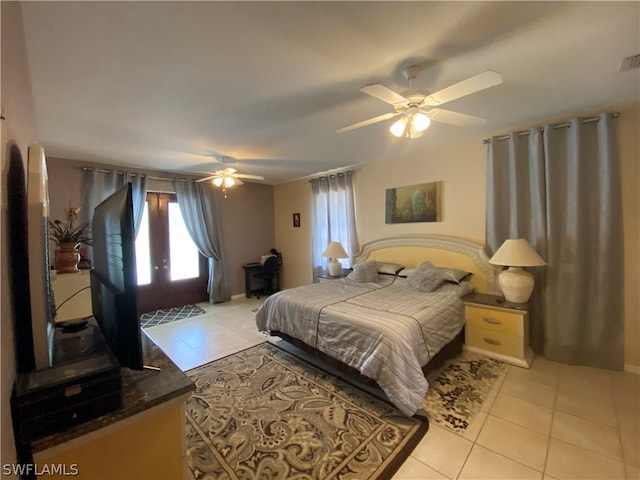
(449, 274)
(453, 274)
(405, 272)
(387, 268)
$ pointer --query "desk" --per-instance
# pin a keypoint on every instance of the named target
(249, 270)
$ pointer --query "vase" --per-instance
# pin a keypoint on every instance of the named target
(67, 257)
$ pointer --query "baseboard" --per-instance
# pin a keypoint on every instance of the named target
(630, 368)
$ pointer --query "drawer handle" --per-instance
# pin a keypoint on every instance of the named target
(492, 321)
(491, 341)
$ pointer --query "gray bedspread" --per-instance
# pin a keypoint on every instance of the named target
(385, 330)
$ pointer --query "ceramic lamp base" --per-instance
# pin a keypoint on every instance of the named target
(335, 268)
(516, 284)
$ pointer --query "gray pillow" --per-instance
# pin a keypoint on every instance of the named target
(426, 278)
(364, 272)
(449, 274)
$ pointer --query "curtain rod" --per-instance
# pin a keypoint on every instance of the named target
(331, 175)
(151, 177)
(559, 125)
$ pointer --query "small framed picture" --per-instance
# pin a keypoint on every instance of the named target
(296, 220)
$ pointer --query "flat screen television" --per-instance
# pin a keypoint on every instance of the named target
(114, 287)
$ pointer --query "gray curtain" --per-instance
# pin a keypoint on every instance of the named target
(561, 191)
(199, 207)
(516, 206)
(97, 185)
(333, 218)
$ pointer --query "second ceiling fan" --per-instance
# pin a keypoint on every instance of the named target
(228, 178)
(416, 109)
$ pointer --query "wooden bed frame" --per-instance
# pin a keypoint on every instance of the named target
(410, 251)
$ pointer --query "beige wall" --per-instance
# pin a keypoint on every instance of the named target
(462, 168)
(294, 242)
(247, 228)
(19, 127)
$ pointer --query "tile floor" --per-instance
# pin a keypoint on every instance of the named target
(550, 422)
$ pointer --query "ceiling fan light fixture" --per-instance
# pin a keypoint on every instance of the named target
(412, 124)
(420, 122)
(399, 126)
(413, 133)
(217, 181)
(229, 182)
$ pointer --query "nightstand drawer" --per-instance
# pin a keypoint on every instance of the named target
(498, 342)
(495, 320)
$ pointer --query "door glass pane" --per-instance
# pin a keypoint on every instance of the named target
(183, 253)
(143, 254)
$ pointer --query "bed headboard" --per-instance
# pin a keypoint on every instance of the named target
(440, 250)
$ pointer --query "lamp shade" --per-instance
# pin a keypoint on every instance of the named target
(335, 250)
(516, 284)
(516, 252)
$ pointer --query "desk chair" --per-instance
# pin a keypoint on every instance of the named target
(270, 272)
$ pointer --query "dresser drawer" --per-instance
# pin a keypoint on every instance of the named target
(494, 341)
(495, 320)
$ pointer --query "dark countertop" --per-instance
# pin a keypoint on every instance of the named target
(493, 301)
(141, 390)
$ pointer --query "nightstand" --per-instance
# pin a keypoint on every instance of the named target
(325, 277)
(497, 328)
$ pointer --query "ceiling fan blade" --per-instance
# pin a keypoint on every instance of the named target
(228, 171)
(383, 93)
(206, 178)
(252, 177)
(237, 181)
(454, 118)
(370, 121)
(479, 82)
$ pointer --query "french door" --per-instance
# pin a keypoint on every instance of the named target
(171, 271)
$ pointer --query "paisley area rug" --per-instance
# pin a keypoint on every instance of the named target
(458, 389)
(263, 413)
(160, 317)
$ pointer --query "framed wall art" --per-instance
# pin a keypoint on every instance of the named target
(296, 220)
(414, 203)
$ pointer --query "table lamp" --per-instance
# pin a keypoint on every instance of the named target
(516, 284)
(333, 252)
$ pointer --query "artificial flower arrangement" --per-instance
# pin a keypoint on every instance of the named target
(68, 232)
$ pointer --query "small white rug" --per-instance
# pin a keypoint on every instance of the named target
(458, 389)
(160, 317)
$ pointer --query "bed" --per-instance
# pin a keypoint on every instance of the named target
(388, 326)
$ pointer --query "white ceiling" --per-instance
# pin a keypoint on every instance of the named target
(168, 85)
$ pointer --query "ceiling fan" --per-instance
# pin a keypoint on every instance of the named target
(228, 178)
(416, 109)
